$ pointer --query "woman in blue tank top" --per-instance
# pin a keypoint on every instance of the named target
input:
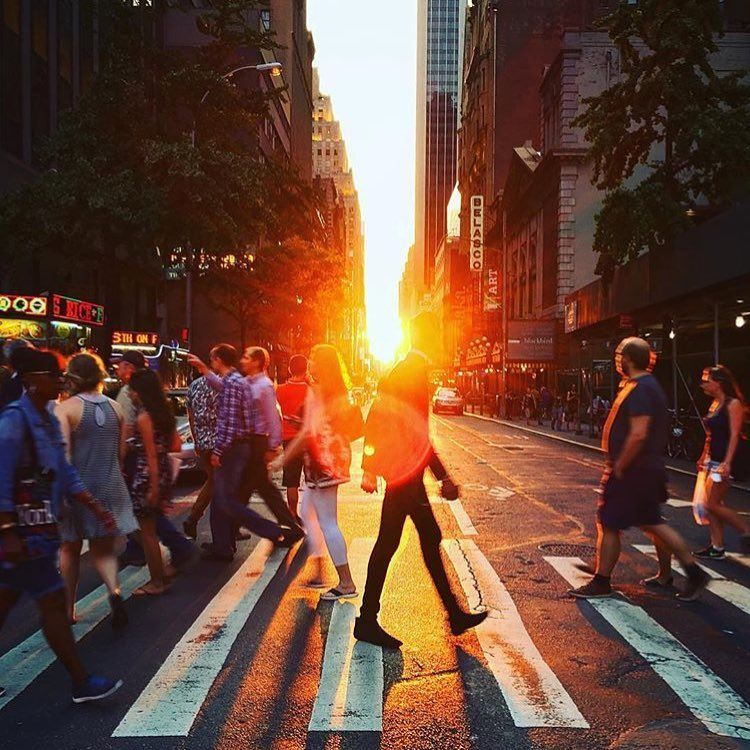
(723, 425)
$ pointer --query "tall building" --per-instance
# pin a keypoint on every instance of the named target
(437, 120)
(330, 160)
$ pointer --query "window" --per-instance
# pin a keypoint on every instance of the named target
(265, 20)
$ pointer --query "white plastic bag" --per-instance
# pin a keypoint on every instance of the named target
(700, 514)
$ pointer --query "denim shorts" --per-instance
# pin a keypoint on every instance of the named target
(36, 577)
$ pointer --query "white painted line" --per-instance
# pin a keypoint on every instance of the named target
(730, 591)
(462, 518)
(675, 503)
(24, 663)
(168, 705)
(740, 558)
(705, 694)
(534, 695)
(501, 493)
(350, 693)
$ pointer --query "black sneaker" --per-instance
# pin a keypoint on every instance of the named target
(463, 621)
(370, 631)
(697, 580)
(119, 615)
(709, 553)
(94, 689)
(594, 589)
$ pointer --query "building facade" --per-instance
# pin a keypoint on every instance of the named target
(438, 74)
(331, 162)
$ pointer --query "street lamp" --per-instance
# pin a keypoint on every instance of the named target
(274, 70)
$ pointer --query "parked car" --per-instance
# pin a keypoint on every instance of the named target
(447, 400)
(177, 398)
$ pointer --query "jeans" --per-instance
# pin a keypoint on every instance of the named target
(257, 480)
(207, 491)
(227, 511)
(408, 499)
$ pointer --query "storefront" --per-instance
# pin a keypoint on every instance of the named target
(52, 321)
(169, 360)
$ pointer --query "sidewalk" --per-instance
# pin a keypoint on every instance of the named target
(679, 466)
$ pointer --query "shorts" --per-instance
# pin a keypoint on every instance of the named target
(293, 470)
(36, 577)
(634, 500)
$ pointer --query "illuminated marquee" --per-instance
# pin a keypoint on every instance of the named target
(23, 305)
(77, 311)
(134, 339)
(476, 254)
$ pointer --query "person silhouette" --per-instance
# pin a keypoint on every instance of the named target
(398, 448)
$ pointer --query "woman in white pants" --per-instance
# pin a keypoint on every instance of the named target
(330, 424)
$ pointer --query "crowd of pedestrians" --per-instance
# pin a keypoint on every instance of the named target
(77, 466)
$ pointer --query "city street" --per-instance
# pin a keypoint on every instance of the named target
(245, 656)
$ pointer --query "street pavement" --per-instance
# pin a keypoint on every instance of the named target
(246, 656)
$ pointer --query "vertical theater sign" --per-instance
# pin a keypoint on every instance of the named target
(476, 255)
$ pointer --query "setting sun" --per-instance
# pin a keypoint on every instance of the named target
(384, 331)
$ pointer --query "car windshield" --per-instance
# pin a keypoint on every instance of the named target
(447, 393)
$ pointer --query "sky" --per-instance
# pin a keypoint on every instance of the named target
(366, 56)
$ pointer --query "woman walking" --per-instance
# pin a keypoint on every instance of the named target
(35, 478)
(330, 424)
(723, 433)
(156, 437)
(92, 426)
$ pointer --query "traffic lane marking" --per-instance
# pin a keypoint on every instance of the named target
(706, 695)
(732, 592)
(21, 665)
(350, 692)
(170, 702)
(533, 693)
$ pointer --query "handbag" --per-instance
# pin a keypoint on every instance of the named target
(36, 525)
(700, 514)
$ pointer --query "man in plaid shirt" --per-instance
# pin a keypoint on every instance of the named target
(231, 453)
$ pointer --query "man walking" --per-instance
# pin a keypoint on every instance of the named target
(398, 448)
(635, 479)
(231, 455)
(267, 437)
(201, 407)
(291, 397)
(180, 548)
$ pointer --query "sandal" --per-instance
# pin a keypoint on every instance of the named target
(333, 595)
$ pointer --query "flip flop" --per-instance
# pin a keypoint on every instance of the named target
(334, 595)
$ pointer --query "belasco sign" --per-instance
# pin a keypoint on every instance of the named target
(476, 254)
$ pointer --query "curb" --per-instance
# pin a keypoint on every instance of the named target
(596, 449)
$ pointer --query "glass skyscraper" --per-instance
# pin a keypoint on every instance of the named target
(437, 119)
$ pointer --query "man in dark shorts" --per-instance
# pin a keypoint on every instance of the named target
(291, 397)
(634, 484)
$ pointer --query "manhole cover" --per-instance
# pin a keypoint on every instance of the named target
(563, 549)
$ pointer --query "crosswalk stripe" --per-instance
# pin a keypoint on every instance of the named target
(740, 558)
(168, 705)
(462, 518)
(21, 665)
(730, 591)
(350, 694)
(675, 503)
(534, 695)
(705, 694)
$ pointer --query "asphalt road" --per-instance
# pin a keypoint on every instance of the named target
(246, 656)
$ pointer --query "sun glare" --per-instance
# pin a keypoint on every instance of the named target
(384, 333)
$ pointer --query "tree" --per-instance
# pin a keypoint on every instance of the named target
(671, 136)
(158, 165)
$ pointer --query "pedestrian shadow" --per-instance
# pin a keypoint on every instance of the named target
(489, 719)
(393, 669)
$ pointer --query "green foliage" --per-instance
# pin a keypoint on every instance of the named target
(671, 134)
(158, 165)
